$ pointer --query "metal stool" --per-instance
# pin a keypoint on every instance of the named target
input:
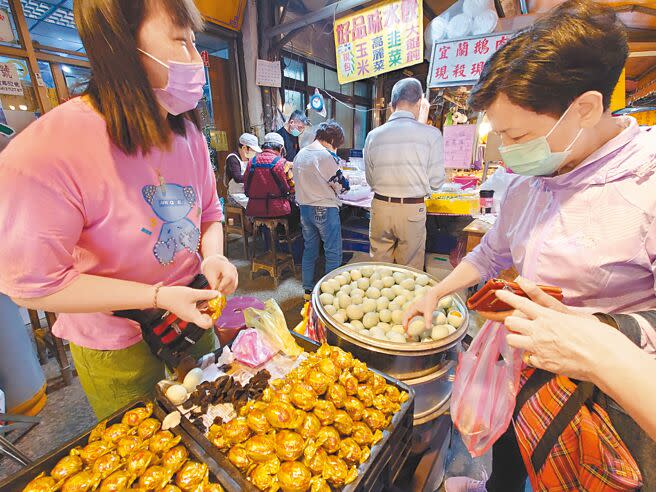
(272, 262)
(45, 340)
(238, 226)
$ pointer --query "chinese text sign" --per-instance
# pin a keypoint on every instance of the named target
(380, 39)
(460, 62)
(458, 146)
(9, 80)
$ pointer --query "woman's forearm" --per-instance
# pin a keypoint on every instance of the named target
(628, 378)
(211, 239)
(93, 294)
(463, 276)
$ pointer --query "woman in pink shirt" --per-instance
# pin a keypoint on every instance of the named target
(582, 213)
(109, 198)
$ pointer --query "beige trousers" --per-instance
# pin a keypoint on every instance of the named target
(397, 233)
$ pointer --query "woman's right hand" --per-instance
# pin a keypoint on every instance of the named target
(183, 302)
(424, 306)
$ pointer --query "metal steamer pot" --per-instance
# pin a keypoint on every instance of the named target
(420, 363)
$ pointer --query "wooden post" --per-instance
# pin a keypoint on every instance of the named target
(60, 82)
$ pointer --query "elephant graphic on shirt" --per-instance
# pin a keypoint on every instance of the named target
(172, 203)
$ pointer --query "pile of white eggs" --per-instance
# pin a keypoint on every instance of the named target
(371, 301)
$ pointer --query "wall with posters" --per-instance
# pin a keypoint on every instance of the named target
(379, 39)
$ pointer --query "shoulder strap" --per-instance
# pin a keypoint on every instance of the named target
(276, 178)
(249, 178)
(629, 326)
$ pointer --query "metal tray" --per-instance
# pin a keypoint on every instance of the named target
(17, 482)
(374, 471)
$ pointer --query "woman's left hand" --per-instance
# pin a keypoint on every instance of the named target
(559, 342)
(220, 273)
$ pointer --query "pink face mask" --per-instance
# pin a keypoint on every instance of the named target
(184, 87)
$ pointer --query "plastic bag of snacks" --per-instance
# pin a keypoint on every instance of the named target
(485, 388)
(270, 321)
(251, 348)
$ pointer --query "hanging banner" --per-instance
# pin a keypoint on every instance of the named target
(458, 146)
(9, 80)
(379, 39)
(460, 61)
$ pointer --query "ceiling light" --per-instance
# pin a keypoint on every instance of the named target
(66, 69)
(23, 107)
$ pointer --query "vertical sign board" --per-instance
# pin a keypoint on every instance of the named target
(379, 39)
(460, 61)
(458, 145)
(10, 83)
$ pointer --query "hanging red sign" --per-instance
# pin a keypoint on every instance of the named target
(206, 58)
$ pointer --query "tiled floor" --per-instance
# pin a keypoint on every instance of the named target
(67, 412)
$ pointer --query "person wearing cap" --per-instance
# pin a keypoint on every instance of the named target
(404, 163)
(233, 178)
(290, 132)
(267, 180)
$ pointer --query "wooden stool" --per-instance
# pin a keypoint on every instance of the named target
(238, 226)
(272, 262)
(46, 340)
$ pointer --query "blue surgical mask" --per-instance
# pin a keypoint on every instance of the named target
(535, 158)
(296, 132)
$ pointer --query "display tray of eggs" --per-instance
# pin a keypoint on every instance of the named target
(371, 299)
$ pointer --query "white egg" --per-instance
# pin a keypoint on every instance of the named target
(327, 287)
(398, 329)
(369, 305)
(335, 284)
(341, 279)
(363, 283)
(400, 299)
(384, 326)
(452, 329)
(177, 394)
(445, 302)
(357, 324)
(354, 285)
(354, 312)
(340, 316)
(408, 284)
(172, 420)
(440, 331)
(388, 281)
(394, 306)
(346, 289)
(385, 315)
(349, 325)
(347, 276)
(357, 292)
(336, 303)
(426, 339)
(330, 309)
(416, 327)
(367, 271)
(373, 293)
(357, 299)
(375, 276)
(376, 332)
(409, 296)
(193, 379)
(344, 300)
(419, 290)
(370, 320)
(385, 272)
(397, 289)
(355, 275)
(422, 279)
(382, 303)
(326, 299)
(455, 319)
(397, 317)
(388, 293)
(378, 284)
(396, 337)
(406, 305)
(399, 277)
(439, 318)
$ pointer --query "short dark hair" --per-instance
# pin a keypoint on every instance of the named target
(272, 146)
(578, 46)
(119, 89)
(299, 115)
(331, 132)
(408, 90)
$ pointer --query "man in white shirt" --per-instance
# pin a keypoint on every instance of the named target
(404, 163)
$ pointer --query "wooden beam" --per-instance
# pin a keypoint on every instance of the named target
(60, 82)
(316, 16)
(637, 9)
(63, 59)
(641, 35)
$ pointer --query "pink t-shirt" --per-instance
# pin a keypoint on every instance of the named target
(72, 202)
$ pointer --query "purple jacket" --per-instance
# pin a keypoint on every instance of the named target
(591, 232)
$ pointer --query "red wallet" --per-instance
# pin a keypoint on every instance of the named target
(485, 300)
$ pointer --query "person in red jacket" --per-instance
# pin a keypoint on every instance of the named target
(267, 181)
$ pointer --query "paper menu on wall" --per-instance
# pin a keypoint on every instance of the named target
(458, 146)
(268, 73)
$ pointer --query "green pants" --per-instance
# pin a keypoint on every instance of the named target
(113, 378)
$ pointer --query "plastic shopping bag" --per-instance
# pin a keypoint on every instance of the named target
(270, 321)
(251, 348)
(485, 388)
